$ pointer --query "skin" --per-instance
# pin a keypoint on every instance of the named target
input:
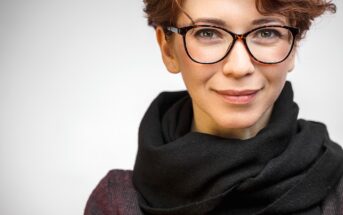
(238, 71)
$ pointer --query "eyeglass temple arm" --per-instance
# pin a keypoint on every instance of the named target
(173, 29)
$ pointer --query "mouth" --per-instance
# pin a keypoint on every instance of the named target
(238, 96)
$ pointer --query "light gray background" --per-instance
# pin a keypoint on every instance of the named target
(76, 77)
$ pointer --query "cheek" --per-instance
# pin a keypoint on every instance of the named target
(275, 77)
(276, 73)
(194, 75)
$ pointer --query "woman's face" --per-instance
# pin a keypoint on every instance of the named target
(234, 97)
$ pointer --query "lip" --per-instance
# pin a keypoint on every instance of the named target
(238, 96)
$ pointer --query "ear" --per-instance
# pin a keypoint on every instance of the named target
(167, 51)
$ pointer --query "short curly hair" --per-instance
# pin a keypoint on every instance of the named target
(300, 13)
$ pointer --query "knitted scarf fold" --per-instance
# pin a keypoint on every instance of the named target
(289, 167)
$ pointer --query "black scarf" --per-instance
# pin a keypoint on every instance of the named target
(289, 167)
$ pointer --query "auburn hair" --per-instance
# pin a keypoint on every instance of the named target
(300, 13)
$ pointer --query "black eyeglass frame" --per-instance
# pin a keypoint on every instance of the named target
(183, 31)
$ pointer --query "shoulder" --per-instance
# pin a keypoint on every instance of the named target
(333, 204)
(114, 195)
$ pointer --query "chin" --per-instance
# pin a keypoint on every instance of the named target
(238, 122)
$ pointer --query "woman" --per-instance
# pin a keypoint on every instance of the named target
(231, 143)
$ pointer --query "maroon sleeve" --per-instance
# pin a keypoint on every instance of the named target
(333, 205)
(114, 195)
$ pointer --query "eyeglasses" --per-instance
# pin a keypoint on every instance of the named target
(207, 44)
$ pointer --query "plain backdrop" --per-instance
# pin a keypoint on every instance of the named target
(76, 77)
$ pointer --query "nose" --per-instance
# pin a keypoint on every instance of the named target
(238, 63)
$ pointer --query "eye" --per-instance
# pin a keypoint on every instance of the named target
(267, 33)
(207, 33)
(269, 36)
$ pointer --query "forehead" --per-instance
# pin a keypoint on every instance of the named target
(234, 13)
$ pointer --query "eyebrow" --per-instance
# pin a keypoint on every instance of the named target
(214, 21)
(267, 20)
(220, 22)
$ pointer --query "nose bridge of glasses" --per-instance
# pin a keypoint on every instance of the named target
(240, 37)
